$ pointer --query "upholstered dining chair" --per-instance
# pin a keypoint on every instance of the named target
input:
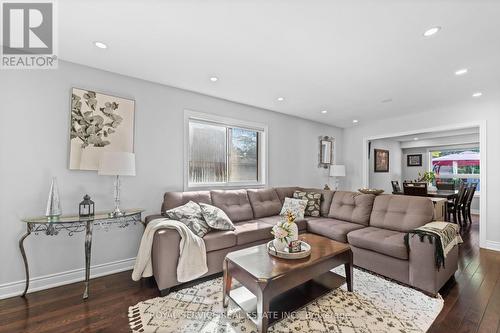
(417, 189)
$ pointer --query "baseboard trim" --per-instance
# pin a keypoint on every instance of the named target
(492, 245)
(16, 288)
(474, 211)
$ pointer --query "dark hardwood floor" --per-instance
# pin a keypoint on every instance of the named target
(472, 301)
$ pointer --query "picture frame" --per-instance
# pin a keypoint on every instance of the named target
(99, 122)
(381, 160)
(414, 160)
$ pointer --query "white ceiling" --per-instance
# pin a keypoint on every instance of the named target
(342, 56)
(438, 134)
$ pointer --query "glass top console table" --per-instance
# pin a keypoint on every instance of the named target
(72, 225)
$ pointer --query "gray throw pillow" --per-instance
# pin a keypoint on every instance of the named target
(190, 214)
(313, 202)
(215, 217)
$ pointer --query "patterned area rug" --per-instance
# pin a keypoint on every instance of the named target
(376, 305)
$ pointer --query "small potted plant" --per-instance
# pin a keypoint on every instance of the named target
(428, 177)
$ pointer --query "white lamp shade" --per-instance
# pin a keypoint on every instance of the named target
(337, 171)
(116, 164)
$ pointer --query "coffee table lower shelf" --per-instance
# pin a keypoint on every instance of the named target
(283, 305)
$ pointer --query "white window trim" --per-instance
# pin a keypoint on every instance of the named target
(263, 150)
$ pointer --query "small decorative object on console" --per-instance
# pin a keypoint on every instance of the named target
(86, 208)
(53, 202)
(295, 246)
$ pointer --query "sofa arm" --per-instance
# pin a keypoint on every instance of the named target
(165, 256)
(152, 217)
(423, 272)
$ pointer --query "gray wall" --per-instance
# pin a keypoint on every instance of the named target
(411, 173)
(34, 140)
(382, 180)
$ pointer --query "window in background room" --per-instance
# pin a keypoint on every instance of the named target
(222, 154)
(456, 165)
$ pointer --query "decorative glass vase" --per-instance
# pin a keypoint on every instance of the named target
(279, 244)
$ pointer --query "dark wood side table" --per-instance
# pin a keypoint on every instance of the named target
(72, 225)
(281, 286)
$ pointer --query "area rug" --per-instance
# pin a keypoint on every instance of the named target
(376, 305)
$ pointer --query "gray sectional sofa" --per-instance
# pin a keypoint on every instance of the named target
(373, 226)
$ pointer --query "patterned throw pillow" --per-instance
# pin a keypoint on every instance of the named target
(216, 218)
(190, 214)
(313, 202)
(296, 206)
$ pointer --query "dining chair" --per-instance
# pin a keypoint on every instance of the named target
(417, 189)
(455, 206)
(445, 186)
(395, 187)
(467, 203)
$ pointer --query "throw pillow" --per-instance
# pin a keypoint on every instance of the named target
(190, 214)
(313, 202)
(216, 218)
(296, 206)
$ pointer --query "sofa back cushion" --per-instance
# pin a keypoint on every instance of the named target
(352, 207)
(234, 203)
(326, 199)
(264, 202)
(285, 192)
(176, 199)
(401, 212)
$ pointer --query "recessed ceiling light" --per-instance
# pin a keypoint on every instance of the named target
(101, 45)
(214, 78)
(477, 94)
(324, 111)
(355, 121)
(415, 139)
(461, 71)
(387, 100)
(280, 99)
(432, 31)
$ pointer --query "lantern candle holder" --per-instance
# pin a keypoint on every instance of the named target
(86, 208)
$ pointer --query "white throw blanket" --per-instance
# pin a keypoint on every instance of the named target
(192, 255)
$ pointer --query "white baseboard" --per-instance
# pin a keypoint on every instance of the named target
(58, 279)
(492, 245)
(474, 211)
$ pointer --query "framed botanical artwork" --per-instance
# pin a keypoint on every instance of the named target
(99, 123)
(414, 160)
(381, 161)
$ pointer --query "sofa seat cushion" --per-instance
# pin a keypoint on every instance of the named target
(265, 202)
(252, 231)
(383, 241)
(332, 228)
(234, 203)
(273, 220)
(217, 240)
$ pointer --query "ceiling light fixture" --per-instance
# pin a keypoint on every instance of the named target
(280, 99)
(214, 79)
(100, 45)
(477, 94)
(415, 139)
(355, 121)
(324, 111)
(461, 71)
(388, 100)
(432, 31)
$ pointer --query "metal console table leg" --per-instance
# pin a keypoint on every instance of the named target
(25, 259)
(88, 251)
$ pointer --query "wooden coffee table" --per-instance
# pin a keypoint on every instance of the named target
(280, 286)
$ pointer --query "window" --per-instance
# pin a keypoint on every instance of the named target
(223, 152)
(456, 165)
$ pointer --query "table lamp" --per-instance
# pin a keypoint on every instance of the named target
(337, 171)
(117, 164)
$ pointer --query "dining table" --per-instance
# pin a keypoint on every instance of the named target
(446, 194)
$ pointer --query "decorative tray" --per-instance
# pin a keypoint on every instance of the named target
(306, 251)
(371, 191)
